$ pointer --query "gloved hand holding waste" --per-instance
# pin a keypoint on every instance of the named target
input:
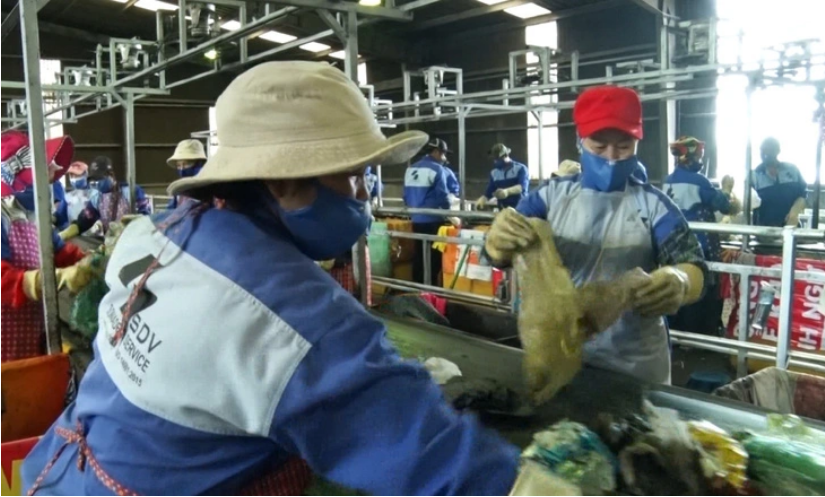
(555, 318)
(74, 277)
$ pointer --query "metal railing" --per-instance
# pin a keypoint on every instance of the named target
(781, 354)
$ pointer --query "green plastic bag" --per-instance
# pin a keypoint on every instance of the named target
(83, 317)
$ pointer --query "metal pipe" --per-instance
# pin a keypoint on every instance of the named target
(351, 47)
(417, 287)
(129, 144)
(783, 343)
(406, 211)
(435, 238)
(427, 256)
(540, 127)
(42, 188)
(748, 156)
(183, 38)
(741, 229)
(744, 324)
(462, 159)
(380, 186)
(820, 98)
(730, 351)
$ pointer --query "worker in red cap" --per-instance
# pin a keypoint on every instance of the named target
(22, 315)
(609, 220)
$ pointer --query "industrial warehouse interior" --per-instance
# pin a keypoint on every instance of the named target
(413, 247)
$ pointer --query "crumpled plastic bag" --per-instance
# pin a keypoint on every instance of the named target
(664, 460)
(604, 302)
(724, 460)
(549, 320)
(555, 318)
(441, 369)
(573, 453)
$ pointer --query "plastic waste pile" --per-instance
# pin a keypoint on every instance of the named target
(657, 453)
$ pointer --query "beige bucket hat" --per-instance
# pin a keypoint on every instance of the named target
(286, 120)
(190, 149)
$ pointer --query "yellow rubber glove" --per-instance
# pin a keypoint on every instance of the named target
(481, 202)
(32, 284)
(669, 288)
(501, 193)
(510, 231)
(75, 278)
(72, 231)
(327, 265)
(792, 219)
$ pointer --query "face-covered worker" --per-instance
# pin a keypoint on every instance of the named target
(780, 186)
(108, 200)
(693, 193)
(79, 192)
(425, 187)
(606, 222)
(21, 313)
(306, 372)
(188, 160)
(509, 179)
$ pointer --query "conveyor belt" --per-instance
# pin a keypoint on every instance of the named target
(591, 393)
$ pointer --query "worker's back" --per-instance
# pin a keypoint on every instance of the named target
(425, 187)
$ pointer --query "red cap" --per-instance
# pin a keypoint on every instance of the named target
(608, 107)
(58, 151)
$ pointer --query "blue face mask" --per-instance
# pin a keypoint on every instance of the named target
(79, 183)
(189, 171)
(605, 175)
(105, 185)
(329, 227)
(26, 198)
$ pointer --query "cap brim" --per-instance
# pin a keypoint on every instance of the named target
(301, 160)
(585, 130)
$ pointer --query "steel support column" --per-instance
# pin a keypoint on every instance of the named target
(42, 187)
(129, 144)
(820, 98)
(462, 157)
(351, 47)
(783, 336)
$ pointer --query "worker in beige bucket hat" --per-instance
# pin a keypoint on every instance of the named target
(188, 159)
(225, 345)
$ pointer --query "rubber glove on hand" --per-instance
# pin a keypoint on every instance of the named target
(510, 231)
(327, 265)
(481, 202)
(664, 293)
(32, 284)
(72, 231)
(501, 193)
(455, 221)
(75, 278)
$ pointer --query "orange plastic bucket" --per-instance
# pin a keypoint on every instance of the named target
(34, 394)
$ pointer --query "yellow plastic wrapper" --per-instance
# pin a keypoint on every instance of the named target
(723, 457)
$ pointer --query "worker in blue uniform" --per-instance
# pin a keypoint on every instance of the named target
(509, 179)
(374, 185)
(60, 215)
(780, 186)
(269, 361)
(425, 187)
(607, 221)
(699, 200)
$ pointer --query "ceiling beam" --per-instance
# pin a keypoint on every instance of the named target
(555, 16)
(68, 32)
(467, 14)
(376, 12)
